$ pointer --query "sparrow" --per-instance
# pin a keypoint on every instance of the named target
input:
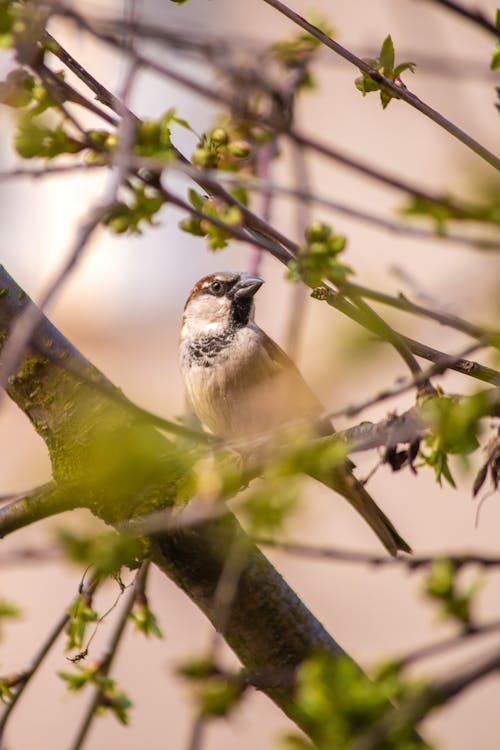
(241, 384)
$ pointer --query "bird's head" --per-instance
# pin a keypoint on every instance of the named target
(220, 302)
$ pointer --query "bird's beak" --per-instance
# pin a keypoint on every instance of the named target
(247, 286)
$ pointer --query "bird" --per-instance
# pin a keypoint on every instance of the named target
(242, 385)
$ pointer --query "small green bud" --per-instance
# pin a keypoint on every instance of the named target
(111, 141)
(318, 231)
(219, 136)
(202, 157)
(240, 149)
(119, 224)
(317, 248)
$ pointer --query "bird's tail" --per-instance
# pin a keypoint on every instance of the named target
(345, 483)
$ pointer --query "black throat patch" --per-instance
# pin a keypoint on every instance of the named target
(240, 311)
(204, 349)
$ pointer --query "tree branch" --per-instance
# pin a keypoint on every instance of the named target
(46, 501)
(268, 627)
(398, 91)
(472, 14)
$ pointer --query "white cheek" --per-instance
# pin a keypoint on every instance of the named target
(205, 316)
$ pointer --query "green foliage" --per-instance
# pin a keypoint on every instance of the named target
(437, 458)
(8, 611)
(457, 420)
(455, 425)
(35, 139)
(385, 65)
(442, 586)
(81, 614)
(145, 620)
(216, 692)
(337, 703)
(10, 18)
(107, 553)
(17, 89)
(298, 51)
(272, 502)
(36, 134)
(440, 213)
(219, 696)
(495, 59)
(196, 669)
(270, 505)
(111, 698)
(6, 693)
(217, 237)
(223, 148)
(217, 475)
(318, 258)
(143, 204)
(153, 137)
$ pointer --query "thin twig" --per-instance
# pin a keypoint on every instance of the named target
(398, 91)
(302, 220)
(300, 138)
(419, 379)
(266, 154)
(447, 319)
(102, 94)
(463, 366)
(412, 562)
(472, 14)
(304, 196)
(23, 328)
(107, 661)
(411, 711)
(265, 186)
(39, 658)
(438, 647)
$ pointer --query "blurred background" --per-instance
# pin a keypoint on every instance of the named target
(122, 309)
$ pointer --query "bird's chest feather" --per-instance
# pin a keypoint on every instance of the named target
(223, 376)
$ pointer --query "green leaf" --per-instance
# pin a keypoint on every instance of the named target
(8, 611)
(219, 695)
(107, 553)
(268, 508)
(144, 203)
(79, 678)
(298, 52)
(337, 703)
(384, 64)
(387, 54)
(442, 584)
(145, 620)
(34, 139)
(81, 614)
(318, 257)
(495, 58)
(119, 704)
(196, 199)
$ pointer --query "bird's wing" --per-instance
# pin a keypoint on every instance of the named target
(293, 387)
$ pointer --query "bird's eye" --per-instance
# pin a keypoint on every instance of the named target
(217, 288)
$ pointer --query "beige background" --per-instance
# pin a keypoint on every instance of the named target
(122, 309)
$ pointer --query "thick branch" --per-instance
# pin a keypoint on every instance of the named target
(269, 627)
